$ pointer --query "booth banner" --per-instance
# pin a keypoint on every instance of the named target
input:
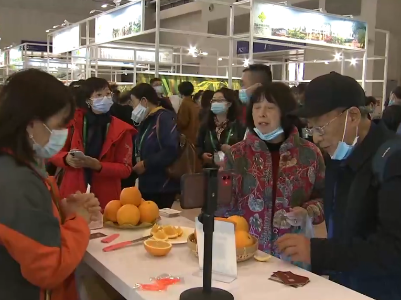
(66, 40)
(15, 56)
(119, 23)
(288, 23)
(171, 82)
(36, 46)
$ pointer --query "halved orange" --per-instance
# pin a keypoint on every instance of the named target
(155, 229)
(157, 248)
(171, 232)
(160, 236)
(179, 230)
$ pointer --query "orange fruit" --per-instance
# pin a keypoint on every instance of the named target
(131, 196)
(157, 248)
(240, 223)
(243, 239)
(111, 209)
(160, 236)
(149, 212)
(155, 229)
(128, 215)
(179, 231)
(170, 231)
(142, 200)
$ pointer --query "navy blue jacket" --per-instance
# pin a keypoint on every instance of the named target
(362, 209)
(157, 152)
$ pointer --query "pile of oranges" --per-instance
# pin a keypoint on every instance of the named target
(131, 209)
(242, 237)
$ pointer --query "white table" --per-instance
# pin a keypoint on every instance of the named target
(123, 268)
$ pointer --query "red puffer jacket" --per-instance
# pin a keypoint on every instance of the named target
(116, 160)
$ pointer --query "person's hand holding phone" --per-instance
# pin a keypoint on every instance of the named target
(73, 161)
(92, 163)
(207, 158)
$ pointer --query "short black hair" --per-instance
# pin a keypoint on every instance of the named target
(392, 117)
(206, 98)
(95, 84)
(186, 88)
(261, 73)
(27, 96)
(124, 98)
(198, 95)
(371, 100)
(279, 94)
(301, 88)
(153, 80)
(145, 90)
(397, 92)
(233, 110)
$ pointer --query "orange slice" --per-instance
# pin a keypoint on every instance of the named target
(160, 236)
(179, 230)
(262, 257)
(155, 229)
(170, 231)
(157, 248)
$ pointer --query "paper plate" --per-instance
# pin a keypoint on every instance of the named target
(187, 231)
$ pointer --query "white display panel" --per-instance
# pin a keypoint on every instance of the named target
(66, 40)
(119, 23)
(298, 25)
(2, 58)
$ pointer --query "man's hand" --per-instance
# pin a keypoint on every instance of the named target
(225, 148)
(207, 158)
(139, 168)
(295, 246)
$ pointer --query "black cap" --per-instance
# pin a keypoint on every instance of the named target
(329, 92)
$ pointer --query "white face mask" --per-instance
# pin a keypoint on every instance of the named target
(102, 104)
(139, 114)
(56, 143)
(159, 89)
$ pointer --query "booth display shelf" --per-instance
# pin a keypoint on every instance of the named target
(124, 268)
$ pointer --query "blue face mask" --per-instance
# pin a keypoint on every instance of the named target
(219, 108)
(391, 102)
(343, 149)
(243, 96)
(102, 104)
(269, 136)
(56, 143)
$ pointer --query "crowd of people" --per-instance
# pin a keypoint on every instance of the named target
(300, 156)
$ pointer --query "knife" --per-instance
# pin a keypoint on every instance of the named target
(125, 244)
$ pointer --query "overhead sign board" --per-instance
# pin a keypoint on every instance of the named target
(293, 24)
(15, 56)
(66, 40)
(243, 46)
(119, 23)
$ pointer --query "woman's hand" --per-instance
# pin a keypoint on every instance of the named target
(92, 163)
(84, 205)
(297, 216)
(139, 168)
(74, 162)
(207, 158)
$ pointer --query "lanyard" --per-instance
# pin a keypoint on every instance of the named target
(138, 147)
(227, 140)
(85, 133)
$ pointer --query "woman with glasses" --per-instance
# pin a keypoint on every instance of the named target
(220, 129)
(98, 150)
(279, 177)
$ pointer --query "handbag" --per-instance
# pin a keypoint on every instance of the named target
(187, 161)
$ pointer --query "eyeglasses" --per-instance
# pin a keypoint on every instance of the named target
(218, 100)
(320, 130)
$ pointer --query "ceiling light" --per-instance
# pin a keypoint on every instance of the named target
(95, 11)
(205, 53)
(326, 62)
(192, 50)
(353, 62)
(337, 56)
(220, 58)
(104, 5)
(246, 63)
(55, 26)
(48, 30)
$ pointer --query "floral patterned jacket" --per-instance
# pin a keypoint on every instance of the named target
(300, 182)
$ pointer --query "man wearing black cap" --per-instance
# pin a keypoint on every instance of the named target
(362, 198)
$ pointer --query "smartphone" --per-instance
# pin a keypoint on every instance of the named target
(193, 189)
(77, 154)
